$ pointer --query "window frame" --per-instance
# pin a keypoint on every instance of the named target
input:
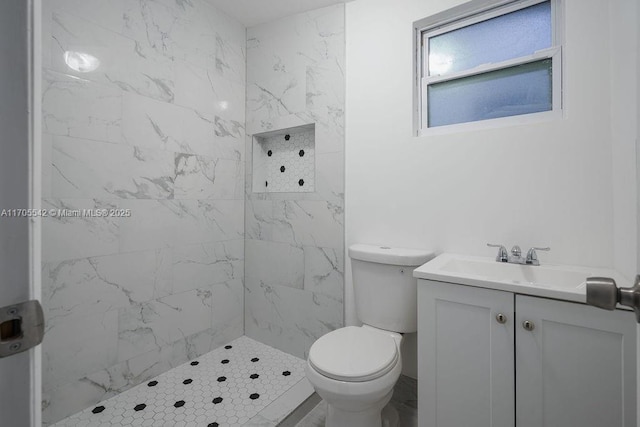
(473, 13)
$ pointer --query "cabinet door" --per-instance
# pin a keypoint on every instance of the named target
(577, 367)
(466, 359)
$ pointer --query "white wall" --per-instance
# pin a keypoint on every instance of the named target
(542, 184)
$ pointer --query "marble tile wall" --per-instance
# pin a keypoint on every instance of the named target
(294, 247)
(157, 130)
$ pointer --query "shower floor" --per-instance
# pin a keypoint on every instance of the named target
(244, 383)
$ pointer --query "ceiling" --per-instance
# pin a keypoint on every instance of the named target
(254, 12)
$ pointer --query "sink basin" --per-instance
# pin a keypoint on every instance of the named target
(553, 281)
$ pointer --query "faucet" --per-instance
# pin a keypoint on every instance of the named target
(532, 256)
(503, 256)
(516, 254)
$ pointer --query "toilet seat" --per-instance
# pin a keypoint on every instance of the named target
(354, 354)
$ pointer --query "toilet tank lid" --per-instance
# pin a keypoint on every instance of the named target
(389, 255)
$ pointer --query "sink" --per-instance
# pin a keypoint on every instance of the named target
(565, 282)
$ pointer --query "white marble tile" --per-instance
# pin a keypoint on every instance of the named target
(123, 63)
(76, 288)
(69, 398)
(223, 334)
(164, 223)
(96, 285)
(290, 400)
(228, 305)
(85, 168)
(310, 223)
(289, 319)
(69, 237)
(105, 13)
(324, 32)
(205, 264)
(279, 94)
(324, 271)
(152, 325)
(151, 25)
(295, 77)
(200, 177)
(46, 171)
(228, 26)
(155, 124)
(329, 128)
(316, 417)
(77, 345)
(259, 219)
(325, 86)
(258, 123)
(207, 91)
(330, 177)
(275, 264)
(77, 107)
(229, 133)
(230, 59)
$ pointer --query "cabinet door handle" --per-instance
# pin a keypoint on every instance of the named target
(528, 325)
(501, 318)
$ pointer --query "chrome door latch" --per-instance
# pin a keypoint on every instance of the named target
(603, 292)
(21, 327)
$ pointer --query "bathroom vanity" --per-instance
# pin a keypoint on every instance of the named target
(502, 345)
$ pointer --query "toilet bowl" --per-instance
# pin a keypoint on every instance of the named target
(354, 370)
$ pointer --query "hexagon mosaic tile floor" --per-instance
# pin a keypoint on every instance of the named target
(226, 387)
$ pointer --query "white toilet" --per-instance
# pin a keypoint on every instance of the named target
(354, 368)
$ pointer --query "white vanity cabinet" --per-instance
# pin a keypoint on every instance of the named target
(495, 358)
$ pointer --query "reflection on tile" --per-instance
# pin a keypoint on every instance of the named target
(122, 62)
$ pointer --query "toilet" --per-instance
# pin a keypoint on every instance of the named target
(354, 369)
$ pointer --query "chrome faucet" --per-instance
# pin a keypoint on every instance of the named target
(502, 256)
(516, 255)
(532, 256)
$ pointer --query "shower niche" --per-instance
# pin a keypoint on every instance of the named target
(284, 160)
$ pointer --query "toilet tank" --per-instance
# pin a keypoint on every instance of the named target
(385, 290)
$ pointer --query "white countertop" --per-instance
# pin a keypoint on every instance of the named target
(561, 282)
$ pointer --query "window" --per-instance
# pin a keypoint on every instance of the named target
(488, 60)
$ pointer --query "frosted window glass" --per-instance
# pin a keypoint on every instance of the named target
(522, 89)
(498, 39)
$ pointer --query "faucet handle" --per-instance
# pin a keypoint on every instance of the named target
(532, 256)
(502, 256)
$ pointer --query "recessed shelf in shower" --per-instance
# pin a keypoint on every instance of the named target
(284, 160)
